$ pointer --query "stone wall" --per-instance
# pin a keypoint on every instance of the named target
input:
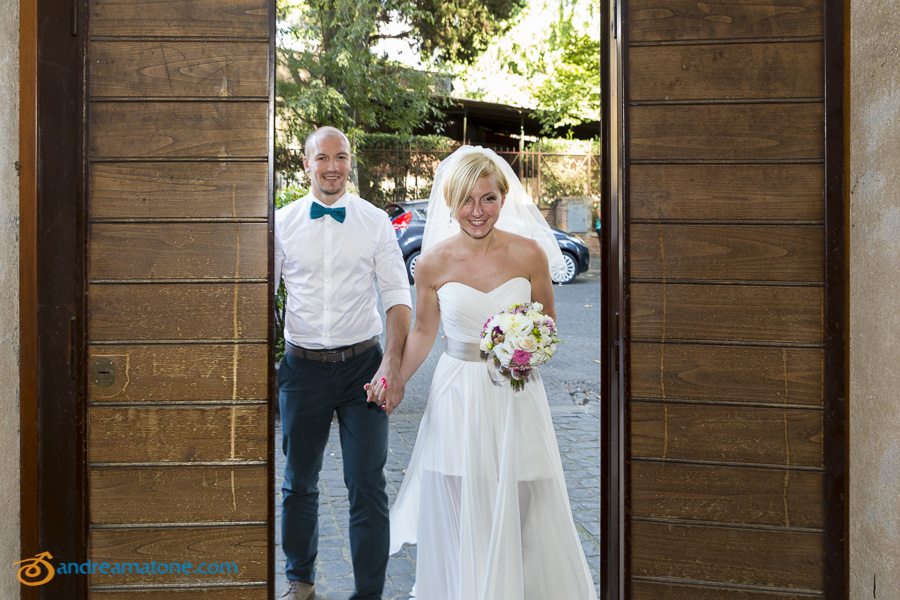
(9, 297)
(875, 299)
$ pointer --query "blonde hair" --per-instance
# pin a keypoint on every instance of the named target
(466, 173)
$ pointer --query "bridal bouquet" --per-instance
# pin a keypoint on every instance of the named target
(519, 338)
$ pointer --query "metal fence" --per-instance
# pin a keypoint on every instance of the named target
(402, 175)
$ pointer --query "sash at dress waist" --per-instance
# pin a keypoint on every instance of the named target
(468, 351)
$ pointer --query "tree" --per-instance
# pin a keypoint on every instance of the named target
(548, 61)
(458, 32)
(329, 72)
(572, 95)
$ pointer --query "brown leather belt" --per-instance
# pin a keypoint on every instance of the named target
(331, 355)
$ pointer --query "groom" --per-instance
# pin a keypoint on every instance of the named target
(330, 247)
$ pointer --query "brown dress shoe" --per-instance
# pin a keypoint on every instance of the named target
(298, 590)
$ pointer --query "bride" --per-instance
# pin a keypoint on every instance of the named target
(484, 495)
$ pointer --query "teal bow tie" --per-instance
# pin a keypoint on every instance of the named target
(317, 211)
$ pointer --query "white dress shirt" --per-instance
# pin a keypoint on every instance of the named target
(330, 268)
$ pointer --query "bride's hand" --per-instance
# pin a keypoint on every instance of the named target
(382, 392)
(375, 389)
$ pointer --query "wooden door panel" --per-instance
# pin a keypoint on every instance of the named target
(751, 435)
(727, 373)
(731, 241)
(177, 373)
(646, 590)
(179, 129)
(713, 493)
(747, 313)
(728, 252)
(180, 190)
(727, 132)
(661, 20)
(244, 546)
(179, 175)
(178, 250)
(784, 559)
(178, 69)
(178, 494)
(733, 71)
(177, 434)
(768, 192)
(180, 18)
(175, 311)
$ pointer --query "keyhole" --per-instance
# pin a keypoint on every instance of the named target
(104, 372)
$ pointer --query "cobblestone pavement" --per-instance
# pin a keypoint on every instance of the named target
(578, 435)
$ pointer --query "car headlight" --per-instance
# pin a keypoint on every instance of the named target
(576, 239)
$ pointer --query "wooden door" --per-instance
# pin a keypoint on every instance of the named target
(732, 390)
(179, 147)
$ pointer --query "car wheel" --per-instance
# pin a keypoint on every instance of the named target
(411, 265)
(571, 269)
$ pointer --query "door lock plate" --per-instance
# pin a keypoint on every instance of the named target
(104, 372)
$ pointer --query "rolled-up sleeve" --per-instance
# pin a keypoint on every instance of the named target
(279, 253)
(390, 270)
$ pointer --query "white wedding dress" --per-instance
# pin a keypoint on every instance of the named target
(484, 495)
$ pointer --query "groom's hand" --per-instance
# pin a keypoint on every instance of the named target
(386, 388)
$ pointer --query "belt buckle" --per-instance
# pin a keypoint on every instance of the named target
(331, 356)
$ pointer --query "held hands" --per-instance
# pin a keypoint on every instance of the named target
(385, 389)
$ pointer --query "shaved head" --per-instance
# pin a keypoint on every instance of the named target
(322, 132)
(328, 163)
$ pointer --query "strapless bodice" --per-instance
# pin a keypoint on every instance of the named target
(465, 310)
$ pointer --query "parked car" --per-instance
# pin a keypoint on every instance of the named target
(575, 253)
(408, 219)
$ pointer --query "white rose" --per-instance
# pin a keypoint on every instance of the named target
(537, 306)
(527, 343)
(485, 345)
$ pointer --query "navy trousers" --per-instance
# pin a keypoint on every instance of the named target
(311, 392)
